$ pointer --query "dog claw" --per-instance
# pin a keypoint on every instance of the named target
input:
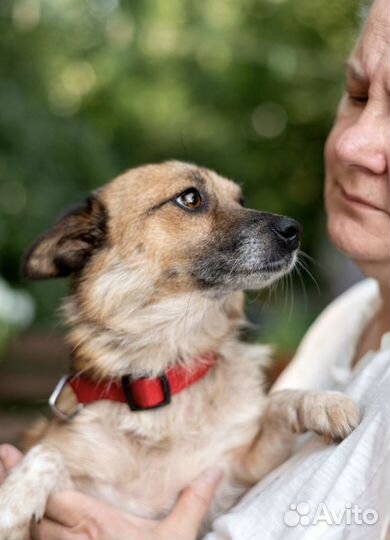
(330, 414)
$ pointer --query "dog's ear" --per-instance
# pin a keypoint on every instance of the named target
(68, 245)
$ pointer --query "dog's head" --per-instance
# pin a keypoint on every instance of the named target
(183, 227)
(158, 259)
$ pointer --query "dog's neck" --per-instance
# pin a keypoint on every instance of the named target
(149, 339)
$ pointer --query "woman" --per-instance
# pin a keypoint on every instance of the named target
(338, 491)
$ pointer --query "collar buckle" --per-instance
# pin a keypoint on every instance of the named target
(53, 399)
(165, 386)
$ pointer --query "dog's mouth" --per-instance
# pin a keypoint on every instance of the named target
(284, 264)
(264, 275)
(251, 272)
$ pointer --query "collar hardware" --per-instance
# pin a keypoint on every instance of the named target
(127, 390)
(53, 401)
(140, 394)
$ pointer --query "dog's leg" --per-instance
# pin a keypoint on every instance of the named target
(291, 412)
(24, 493)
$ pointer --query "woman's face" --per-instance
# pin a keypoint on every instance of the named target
(357, 151)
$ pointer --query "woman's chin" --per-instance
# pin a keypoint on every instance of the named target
(359, 242)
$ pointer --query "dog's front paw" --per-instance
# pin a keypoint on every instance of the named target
(331, 414)
(16, 533)
(24, 493)
(17, 509)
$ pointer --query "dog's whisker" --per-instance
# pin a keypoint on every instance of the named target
(285, 291)
(303, 255)
(305, 269)
(187, 309)
(289, 277)
(297, 269)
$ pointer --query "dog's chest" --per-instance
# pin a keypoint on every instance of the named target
(145, 480)
(141, 463)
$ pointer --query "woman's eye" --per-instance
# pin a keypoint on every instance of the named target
(358, 99)
(356, 91)
(190, 199)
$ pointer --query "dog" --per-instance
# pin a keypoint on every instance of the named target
(161, 387)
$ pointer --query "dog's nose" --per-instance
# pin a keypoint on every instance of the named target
(288, 232)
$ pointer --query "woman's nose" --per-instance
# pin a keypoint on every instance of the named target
(363, 143)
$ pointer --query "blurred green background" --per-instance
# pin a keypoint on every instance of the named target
(89, 88)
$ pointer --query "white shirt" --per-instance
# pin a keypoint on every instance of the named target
(337, 492)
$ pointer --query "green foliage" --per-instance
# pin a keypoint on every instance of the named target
(91, 87)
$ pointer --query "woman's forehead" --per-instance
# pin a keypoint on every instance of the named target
(373, 43)
(376, 30)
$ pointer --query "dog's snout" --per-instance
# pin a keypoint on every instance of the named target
(288, 232)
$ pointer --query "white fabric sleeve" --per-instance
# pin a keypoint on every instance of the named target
(332, 334)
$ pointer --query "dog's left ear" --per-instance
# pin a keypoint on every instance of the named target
(68, 245)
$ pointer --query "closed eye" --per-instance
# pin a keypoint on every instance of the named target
(357, 88)
(358, 99)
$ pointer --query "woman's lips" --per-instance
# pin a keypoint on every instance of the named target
(356, 200)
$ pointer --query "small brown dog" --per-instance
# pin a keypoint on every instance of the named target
(161, 386)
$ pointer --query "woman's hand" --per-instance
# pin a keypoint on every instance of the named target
(9, 458)
(71, 515)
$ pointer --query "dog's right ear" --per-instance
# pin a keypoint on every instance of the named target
(69, 244)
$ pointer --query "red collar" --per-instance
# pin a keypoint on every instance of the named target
(140, 394)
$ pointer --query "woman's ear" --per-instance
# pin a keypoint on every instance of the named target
(67, 246)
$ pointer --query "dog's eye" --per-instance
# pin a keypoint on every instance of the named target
(191, 199)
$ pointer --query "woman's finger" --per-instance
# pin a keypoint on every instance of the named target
(193, 505)
(50, 530)
(68, 507)
(75, 516)
(9, 456)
